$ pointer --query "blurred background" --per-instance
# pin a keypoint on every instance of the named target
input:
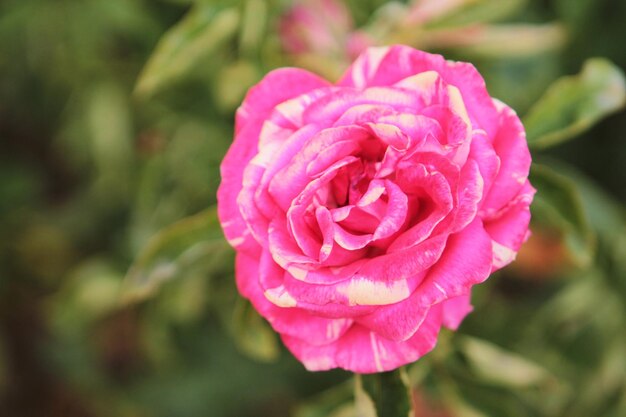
(116, 289)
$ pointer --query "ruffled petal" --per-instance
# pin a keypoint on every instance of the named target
(293, 178)
(389, 65)
(455, 309)
(276, 87)
(363, 351)
(509, 228)
(397, 322)
(511, 147)
(291, 321)
(465, 262)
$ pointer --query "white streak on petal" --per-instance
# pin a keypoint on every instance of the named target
(458, 106)
(502, 255)
(420, 82)
(367, 65)
(373, 342)
(236, 241)
(520, 178)
(362, 291)
(500, 106)
(319, 363)
(265, 158)
(375, 190)
(334, 328)
(271, 133)
(297, 273)
(441, 289)
(280, 297)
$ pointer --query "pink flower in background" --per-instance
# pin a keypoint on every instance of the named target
(363, 212)
(322, 27)
(424, 11)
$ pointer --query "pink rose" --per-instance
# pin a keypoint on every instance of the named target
(364, 211)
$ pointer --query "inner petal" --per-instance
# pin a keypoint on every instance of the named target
(303, 207)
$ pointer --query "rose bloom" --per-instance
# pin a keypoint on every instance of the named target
(363, 212)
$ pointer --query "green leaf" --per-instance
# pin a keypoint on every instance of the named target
(111, 130)
(607, 378)
(454, 400)
(605, 214)
(468, 12)
(385, 394)
(199, 35)
(334, 402)
(252, 27)
(192, 243)
(499, 41)
(252, 334)
(573, 308)
(494, 364)
(575, 103)
(558, 205)
(232, 82)
(112, 135)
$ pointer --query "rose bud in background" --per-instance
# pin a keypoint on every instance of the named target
(320, 35)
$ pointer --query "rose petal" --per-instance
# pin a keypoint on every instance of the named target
(292, 179)
(465, 262)
(389, 65)
(509, 229)
(436, 203)
(485, 156)
(455, 309)
(511, 147)
(256, 107)
(276, 87)
(331, 108)
(397, 322)
(290, 321)
(362, 351)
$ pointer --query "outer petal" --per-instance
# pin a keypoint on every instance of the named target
(485, 156)
(397, 322)
(465, 262)
(455, 309)
(275, 88)
(389, 65)
(291, 321)
(509, 228)
(511, 147)
(362, 351)
(382, 280)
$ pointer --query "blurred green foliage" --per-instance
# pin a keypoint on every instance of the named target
(117, 295)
